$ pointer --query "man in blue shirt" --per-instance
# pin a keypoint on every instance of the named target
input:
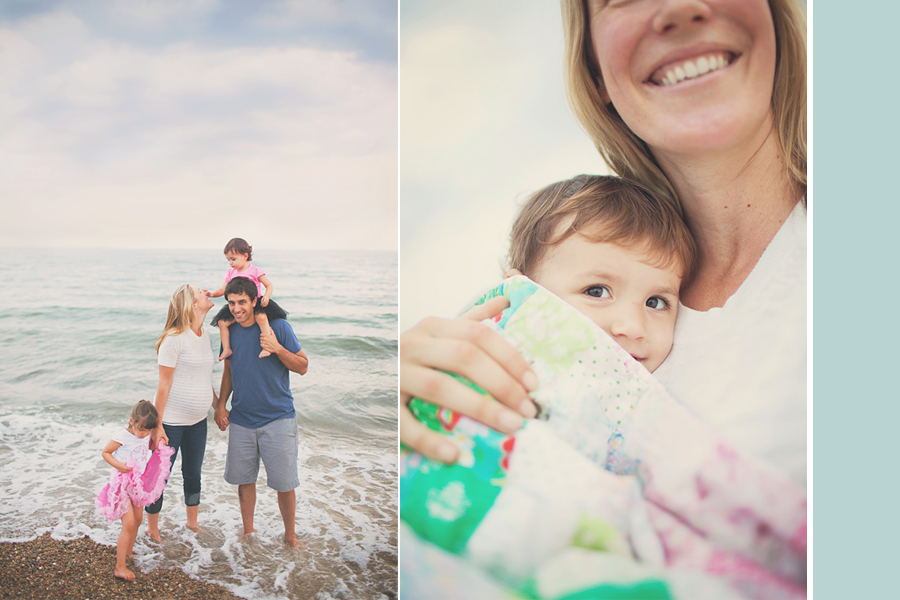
(262, 418)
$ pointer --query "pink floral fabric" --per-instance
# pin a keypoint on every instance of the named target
(134, 487)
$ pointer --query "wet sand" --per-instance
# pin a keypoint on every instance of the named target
(82, 569)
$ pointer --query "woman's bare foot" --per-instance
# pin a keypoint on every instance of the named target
(293, 542)
(124, 573)
(154, 535)
(195, 528)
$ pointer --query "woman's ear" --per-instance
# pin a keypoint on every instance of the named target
(513, 273)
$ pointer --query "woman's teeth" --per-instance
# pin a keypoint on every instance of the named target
(692, 68)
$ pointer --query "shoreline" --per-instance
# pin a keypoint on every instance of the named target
(81, 568)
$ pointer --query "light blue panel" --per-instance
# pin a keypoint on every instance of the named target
(856, 401)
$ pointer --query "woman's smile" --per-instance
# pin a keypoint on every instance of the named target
(687, 76)
(679, 70)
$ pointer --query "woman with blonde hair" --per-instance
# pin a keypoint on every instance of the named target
(704, 102)
(184, 394)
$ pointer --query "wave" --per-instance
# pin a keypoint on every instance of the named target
(358, 346)
(378, 320)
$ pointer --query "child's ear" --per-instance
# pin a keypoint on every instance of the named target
(513, 273)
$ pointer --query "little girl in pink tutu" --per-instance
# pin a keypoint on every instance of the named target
(138, 478)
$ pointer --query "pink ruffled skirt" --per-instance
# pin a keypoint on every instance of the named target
(140, 489)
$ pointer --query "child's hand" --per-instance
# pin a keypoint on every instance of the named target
(264, 301)
(124, 469)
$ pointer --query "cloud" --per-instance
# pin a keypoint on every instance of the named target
(366, 27)
(104, 137)
(484, 122)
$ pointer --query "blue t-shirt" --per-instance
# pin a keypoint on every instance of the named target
(261, 387)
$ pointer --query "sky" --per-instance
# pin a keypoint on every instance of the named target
(484, 122)
(184, 123)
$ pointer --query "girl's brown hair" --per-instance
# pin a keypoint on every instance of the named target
(144, 415)
(239, 246)
(603, 209)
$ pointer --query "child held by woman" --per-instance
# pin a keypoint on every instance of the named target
(615, 465)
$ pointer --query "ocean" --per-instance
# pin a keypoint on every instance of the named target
(77, 337)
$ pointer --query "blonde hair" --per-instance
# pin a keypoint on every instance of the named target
(602, 209)
(145, 415)
(180, 315)
(628, 155)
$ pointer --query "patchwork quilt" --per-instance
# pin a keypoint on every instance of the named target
(615, 491)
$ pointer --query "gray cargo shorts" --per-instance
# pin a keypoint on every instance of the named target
(275, 442)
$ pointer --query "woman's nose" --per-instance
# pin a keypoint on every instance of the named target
(674, 15)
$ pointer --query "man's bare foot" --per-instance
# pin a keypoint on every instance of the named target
(293, 542)
(124, 573)
(225, 354)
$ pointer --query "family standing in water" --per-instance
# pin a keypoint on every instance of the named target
(264, 350)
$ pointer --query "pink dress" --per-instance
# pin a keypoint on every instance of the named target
(142, 486)
(253, 273)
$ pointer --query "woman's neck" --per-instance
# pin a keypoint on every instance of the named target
(197, 322)
(734, 204)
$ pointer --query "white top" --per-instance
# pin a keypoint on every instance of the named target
(191, 395)
(134, 451)
(742, 367)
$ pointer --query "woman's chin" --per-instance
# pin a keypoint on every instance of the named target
(707, 131)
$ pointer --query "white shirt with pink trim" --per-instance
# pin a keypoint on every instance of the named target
(742, 367)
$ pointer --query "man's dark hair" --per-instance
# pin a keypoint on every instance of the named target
(241, 285)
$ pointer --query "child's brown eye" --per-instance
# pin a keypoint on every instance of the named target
(657, 303)
(598, 291)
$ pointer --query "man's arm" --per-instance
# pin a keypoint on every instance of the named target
(221, 415)
(298, 363)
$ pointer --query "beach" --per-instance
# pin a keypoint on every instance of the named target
(73, 362)
(80, 568)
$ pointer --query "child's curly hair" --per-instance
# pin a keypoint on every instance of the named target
(602, 209)
(239, 246)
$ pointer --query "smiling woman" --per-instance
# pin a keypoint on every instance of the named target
(704, 103)
(184, 395)
(637, 43)
(782, 92)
